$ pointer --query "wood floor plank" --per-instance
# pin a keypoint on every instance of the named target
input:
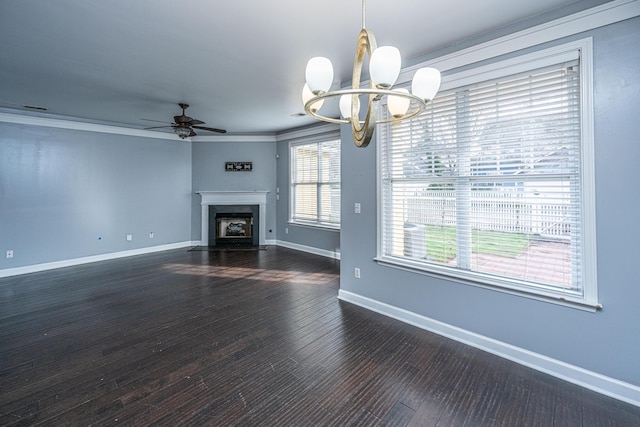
(249, 338)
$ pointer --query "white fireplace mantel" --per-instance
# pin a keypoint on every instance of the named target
(233, 198)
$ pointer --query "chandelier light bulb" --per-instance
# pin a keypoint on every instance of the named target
(307, 95)
(426, 83)
(345, 106)
(319, 74)
(384, 66)
(398, 105)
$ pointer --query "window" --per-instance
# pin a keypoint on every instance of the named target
(492, 183)
(315, 183)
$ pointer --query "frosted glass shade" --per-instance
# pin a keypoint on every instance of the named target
(307, 95)
(398, 105)
(319, 74)
(182, 131)
(384, 66)
(426, 83)
(345, 106)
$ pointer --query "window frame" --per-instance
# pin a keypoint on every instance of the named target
(318, 223)
(588, 299)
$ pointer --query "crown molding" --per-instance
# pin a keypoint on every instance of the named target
(82, 126)
(595, 17)
(307, 131)
(233, 138)
(119, 130)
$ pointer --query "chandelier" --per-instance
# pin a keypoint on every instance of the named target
(384, 69)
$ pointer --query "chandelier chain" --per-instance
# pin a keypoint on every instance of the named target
(364, 19)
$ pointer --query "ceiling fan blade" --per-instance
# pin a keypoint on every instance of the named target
(210, 129)
(196, 122)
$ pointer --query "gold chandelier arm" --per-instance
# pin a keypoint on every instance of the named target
(418, 104)
(365, 46)
(362, 136)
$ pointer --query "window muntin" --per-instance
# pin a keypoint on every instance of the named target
(487, 184)
(315, 183)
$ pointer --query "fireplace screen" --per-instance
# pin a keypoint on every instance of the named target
(234, 228)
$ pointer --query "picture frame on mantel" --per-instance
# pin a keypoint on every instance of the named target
(238, 166)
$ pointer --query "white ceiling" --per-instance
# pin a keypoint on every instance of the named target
(240, 64)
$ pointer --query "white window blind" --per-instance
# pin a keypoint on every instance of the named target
(315, 183)
(486, 184)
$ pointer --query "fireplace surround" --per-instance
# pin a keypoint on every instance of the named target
(239, 201)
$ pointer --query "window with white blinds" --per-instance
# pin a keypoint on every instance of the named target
(487, 184)
(315, 183)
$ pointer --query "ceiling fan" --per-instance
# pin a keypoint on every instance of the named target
(184, 125)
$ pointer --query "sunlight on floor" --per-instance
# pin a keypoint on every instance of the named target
(253, 273)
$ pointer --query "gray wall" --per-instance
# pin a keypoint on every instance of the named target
(607, 342)
(209, 175)
(62, 190)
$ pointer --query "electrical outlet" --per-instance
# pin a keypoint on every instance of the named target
(10, 254)
(151, 235)
(129, 237)
(357, 208)
(286, 230)
(357, 273)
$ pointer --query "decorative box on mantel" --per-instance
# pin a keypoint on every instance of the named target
(219, 198)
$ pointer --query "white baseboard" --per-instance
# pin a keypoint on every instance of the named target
(322, 252)
(599, 383)
(8, 272)
(94, 258)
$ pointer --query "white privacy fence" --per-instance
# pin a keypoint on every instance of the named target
(507, 211)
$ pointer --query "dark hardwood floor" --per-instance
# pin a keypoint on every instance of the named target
(250, 338)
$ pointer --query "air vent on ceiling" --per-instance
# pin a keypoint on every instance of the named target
(32, 107)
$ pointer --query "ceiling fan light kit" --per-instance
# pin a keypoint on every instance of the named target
(184, 125)
(384, 69)
(182, 131)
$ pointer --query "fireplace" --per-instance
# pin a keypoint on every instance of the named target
(236, 203)
(234, 225)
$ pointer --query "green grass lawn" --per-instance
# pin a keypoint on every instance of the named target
(441, 243)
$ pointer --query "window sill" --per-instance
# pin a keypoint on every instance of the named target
(322, 227)
(539, 295)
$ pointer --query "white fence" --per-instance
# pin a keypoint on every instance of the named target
(508, 211)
